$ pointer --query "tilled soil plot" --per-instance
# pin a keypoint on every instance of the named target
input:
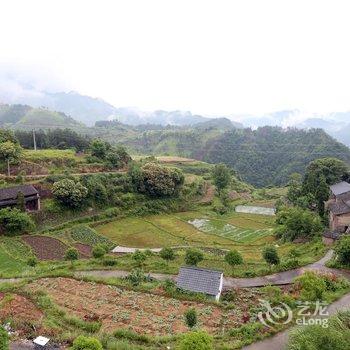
(141, 312)
(46, 248)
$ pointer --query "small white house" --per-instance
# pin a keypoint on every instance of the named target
(206, 281)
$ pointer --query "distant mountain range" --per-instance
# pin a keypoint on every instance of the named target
(89, 110)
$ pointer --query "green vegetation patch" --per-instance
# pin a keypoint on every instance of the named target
(87, 235)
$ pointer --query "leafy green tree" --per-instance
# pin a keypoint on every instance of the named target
(86, 343)
(139, 257)
(221, 176)
(342, 250)
(21, 204)
(167, 254)
(98, 251)
(69, 193)
(198, 340)
(157, 181)
(117, 157)
(191, 317)
(10, 152)
(321, 194)
(270, 255)
(294, 188)
(14, 222)
(193, 257)
(295, 222)
(233, 258)
(71, 255)
(99, 148)
(333, 170)
(4, 339)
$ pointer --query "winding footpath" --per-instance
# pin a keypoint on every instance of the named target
(280, 278)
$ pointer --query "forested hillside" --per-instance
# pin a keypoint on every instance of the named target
(263, 157)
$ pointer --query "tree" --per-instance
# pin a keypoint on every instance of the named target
(295, 222)
(233, 258)
(321, 194)
(198, 340)
(191, 317)
(221, 176)
(270, 255)
(98, 251)
(157, 181)
(10, 152)
(167, 254)
(69, 193)
(117, 157)
(294, 188)
(86, 343)
(99, 148)
(193, 257)
(71, 255)
(342, 250)
(21, 204)
(4, 339)
(13, 222)
(333, 170)
(139, 257)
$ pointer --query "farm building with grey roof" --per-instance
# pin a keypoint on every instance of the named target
(206, 281)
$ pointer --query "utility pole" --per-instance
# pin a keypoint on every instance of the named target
(34, 140)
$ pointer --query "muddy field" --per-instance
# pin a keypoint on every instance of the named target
(140, 312)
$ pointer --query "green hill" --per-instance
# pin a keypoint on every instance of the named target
(24, 117)
(266, 156)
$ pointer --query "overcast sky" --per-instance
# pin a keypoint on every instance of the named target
(207, 56)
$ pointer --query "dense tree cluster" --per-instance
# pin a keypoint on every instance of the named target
(156, 180)
(14, 222)
(53, 138)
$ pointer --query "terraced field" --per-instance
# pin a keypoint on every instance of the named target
(188, 228)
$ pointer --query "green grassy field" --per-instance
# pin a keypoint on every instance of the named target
(188, 228)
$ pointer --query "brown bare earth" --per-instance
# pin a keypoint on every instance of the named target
(141, 312)
(46, 248)
(85, 250)
(21, 311)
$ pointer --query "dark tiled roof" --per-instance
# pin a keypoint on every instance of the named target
(332, 234)
(340, 188)
(199, 280)
(12, 192)
(339, 208)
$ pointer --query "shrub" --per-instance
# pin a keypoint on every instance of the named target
(193, 257)
(109, 262)
(342, 250)
(196, 341)
(191, 317)
(71, 254)
(136, 277)
(270, 255)
(4, 339)
(233, 258)
(167, 254)
(139, 257)
(13, 222)
(98, 251)
(335, 336)
(86, 343)
(32, 261)
(69, 193)
(311, 285)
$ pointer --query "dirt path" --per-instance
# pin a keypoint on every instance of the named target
(280, 278)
